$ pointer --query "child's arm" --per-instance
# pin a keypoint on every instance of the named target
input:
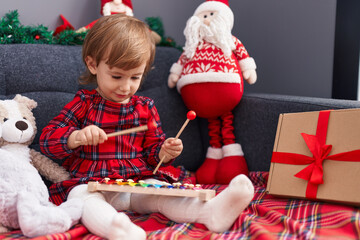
(170, 149)
(54, 137)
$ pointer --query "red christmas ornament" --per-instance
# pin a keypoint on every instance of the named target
(37, 37)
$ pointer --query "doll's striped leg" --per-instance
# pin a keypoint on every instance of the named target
(206, 173)
(233, 162)
(102, 219)
(218, 214)
(214, 126)
(227, 128)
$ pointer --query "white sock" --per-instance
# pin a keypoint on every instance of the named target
(218, 214)
(124, 229)
(100, 218)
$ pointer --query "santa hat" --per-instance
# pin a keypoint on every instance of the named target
(126, 2)
(221, 6)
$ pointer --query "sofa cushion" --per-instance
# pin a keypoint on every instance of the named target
(172, 113)
(2, 82)
(164, 58)
(49, 106)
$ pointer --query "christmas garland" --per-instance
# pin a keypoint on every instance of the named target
(12, 31)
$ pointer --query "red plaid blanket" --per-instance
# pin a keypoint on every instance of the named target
(267, 217)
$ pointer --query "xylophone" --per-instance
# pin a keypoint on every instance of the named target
(164, 189)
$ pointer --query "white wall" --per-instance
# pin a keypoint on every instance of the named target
(291, 41)
(47, 12)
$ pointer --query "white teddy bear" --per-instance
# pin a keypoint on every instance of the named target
(24, 197)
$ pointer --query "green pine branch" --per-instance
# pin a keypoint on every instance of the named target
(155, 24)
(12, 31)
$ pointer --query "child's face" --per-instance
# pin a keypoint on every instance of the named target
(116, 84)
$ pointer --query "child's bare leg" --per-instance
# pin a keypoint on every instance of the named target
(218, 214)
(102, 219)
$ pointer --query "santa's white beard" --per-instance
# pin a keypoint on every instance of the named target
(216, 33)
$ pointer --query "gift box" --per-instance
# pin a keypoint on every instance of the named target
(317, 156)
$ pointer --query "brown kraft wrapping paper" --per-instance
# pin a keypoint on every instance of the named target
(341, 179)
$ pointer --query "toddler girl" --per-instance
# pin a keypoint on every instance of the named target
(118, 51)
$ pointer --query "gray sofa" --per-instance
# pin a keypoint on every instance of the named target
(48, 74)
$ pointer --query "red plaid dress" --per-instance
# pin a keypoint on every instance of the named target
(132, 156)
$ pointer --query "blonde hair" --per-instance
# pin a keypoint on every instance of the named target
(122, 41)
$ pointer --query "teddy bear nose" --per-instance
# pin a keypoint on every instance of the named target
(21, 125)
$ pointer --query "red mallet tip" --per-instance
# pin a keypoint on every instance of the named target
(152, 125)
(191, 115)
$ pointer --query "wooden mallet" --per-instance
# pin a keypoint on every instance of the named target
(191, 115)
(150, 125)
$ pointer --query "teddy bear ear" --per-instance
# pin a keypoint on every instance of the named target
(29, 103)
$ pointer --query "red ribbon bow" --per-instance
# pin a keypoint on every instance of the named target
(314, 172)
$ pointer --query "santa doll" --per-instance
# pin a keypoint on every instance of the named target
(209, 76)
(110, 7)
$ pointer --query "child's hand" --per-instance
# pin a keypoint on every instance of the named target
(170, 149)
(90, 135)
